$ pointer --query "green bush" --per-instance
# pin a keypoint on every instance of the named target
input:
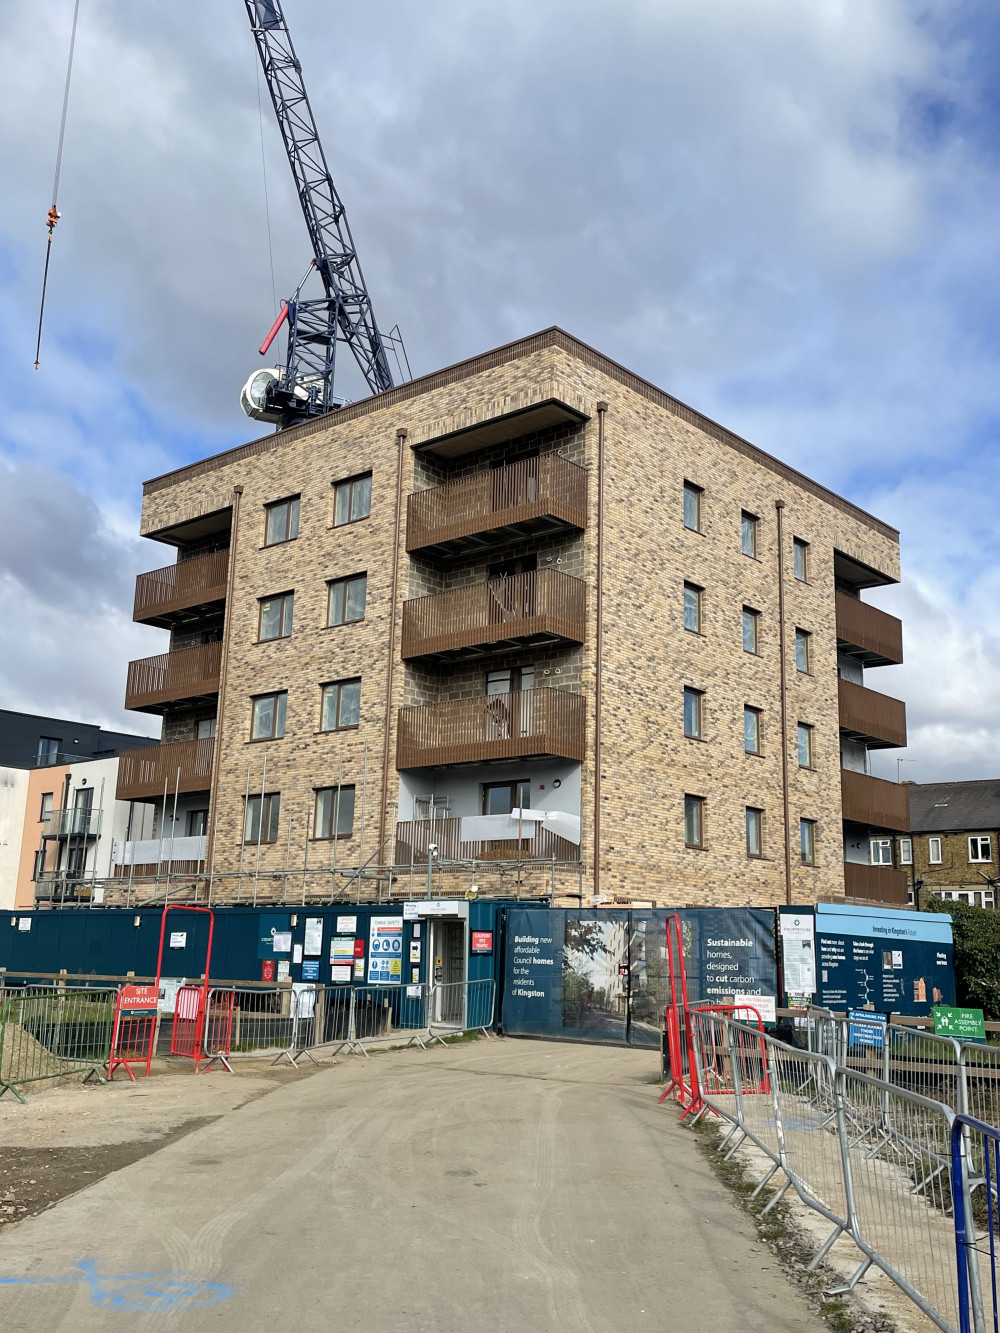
(977, 954)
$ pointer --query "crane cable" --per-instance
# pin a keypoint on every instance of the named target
(53, 214)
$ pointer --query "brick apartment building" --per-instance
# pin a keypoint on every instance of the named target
(952, 852)
(535, 612)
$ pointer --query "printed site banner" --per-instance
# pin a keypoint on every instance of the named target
(604, 975)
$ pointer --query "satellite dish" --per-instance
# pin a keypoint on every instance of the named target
(256, 394)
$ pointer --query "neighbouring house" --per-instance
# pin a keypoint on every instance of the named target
(952, 850)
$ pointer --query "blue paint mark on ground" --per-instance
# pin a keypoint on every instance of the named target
(142, 1293)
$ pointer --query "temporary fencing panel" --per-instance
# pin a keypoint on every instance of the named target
(217, 1029)
(461, 1006)
(52, 1032)
(870, 1156)
(975, 1161)
(134, 1029)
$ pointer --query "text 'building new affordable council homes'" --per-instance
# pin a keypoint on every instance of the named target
(534, 619)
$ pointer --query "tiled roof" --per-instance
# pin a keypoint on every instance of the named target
(951, 807)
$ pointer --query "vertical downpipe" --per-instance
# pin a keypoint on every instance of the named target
(779, 507)
(602, 408)
(213, 820)
(401, 435)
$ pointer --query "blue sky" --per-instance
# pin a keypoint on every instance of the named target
(783, 213)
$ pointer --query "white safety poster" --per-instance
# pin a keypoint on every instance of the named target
(347, 925)
(342, 950)
(314, 936)
(385, 951)
(798, 953)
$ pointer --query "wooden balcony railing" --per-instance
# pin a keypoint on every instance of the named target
(163, 592)
(873, 801)
(542, 604)
(184, 674)
(413, 837)
(490, 727)
(876, 884)
(143, 773)
(504, 502)
(874, 717)
(879, 636)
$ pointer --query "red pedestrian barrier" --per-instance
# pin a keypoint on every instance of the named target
(134, 1030)
(189, 1019)
(680, 1041)
(746, 1051)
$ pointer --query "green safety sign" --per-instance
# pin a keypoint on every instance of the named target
(965, 1024)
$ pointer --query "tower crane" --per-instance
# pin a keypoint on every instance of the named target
(303, 387)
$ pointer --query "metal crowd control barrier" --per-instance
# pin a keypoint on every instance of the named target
(870, 1156)
(383, 1014)
(975, 1159)
(53, 1032)
(217, 1028)
(454, 1007)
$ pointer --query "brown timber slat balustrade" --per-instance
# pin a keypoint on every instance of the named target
(142, 773)
(878, 635)
(876, 884)
(873, 801)
(875, 717)
(542, 604)
(489, 727)
(188, 583)
(184, 674)
(502, 503)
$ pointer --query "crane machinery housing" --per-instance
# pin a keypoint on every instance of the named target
(304, 386)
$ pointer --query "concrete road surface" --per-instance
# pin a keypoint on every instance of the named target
(514, 1186)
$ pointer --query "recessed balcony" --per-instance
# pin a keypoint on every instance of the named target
(544, 606)
(868, 634)
(163, 595)
(536, 843)
(876, 884)
(532, 498)
(866, 715)
(875, 802)
(487, 728)
(186, 674)
(181, 765)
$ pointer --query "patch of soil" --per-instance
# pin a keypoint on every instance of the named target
(33, 1179)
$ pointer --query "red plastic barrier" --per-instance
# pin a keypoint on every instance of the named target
(189, 1019)
(750, 1051)
(134, 1029)
(683, 1072)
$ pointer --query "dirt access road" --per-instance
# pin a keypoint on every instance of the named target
(509, 1186)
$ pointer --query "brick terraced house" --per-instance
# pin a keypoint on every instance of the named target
(531, 620)
(953, 850)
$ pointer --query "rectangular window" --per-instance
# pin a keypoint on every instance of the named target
(206, 728)
(197, 823)
(282, 521)
(263, 829)
(800, 559)
(275, 618)
(48, 751)
(805, 746)
(694, 821)
(807, 841)
(934, 851)
(692, 608)
(352, 499)
(269, 716)
(980, 850)
(906, 851)
(881, 852)
(802, 638)
(755, 831)
(341, 705)
(748, 533)
(500, 798)
(334, 812)
(751, 621)
(692, 713)
(46, 809)
(692, 506)
(346, 600)
(751, 730)
(38, 869)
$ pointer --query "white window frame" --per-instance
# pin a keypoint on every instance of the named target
(884, 845)
(934, 846)
(977, 841)
(906, 851)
